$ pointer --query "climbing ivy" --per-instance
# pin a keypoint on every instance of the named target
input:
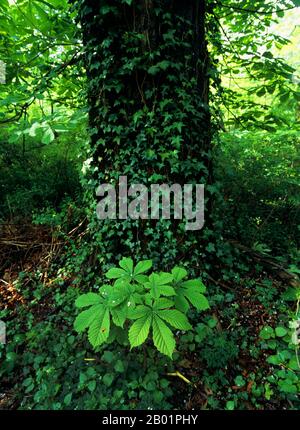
(148, 72)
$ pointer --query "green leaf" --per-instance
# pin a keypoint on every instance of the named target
(268, 54)
(157, 285)
(85, 318)
(153, 70)
(33, 129)
(197, 299)
(142, 267)
(196, 284)
(165, 278)
(127, 265)
(139, 330)
(99, 329)
(48, 136)
(181, 303)
(108, 357)
(115, 273)
(119, 315)
(163, 303)
(119, 366)
(108, 379)
(280, 331)
(175, 318)
(287, 387)
(119, 294)
(230, 405)
(178, 274)
(266, 333)
(68, 399)
(293, 364)
(239, 381)
(88, 299)
(162, 337)
(138, 312)
(92, 386)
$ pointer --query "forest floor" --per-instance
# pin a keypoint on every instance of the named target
(30, 249)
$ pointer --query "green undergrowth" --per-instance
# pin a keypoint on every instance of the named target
(240, 353)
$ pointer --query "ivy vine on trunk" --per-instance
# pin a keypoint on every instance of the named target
(148, 70)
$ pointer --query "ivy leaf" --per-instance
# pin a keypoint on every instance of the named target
(162, 65)
(153, 70)
(162, 337)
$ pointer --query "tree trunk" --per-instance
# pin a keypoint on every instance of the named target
(147, 66)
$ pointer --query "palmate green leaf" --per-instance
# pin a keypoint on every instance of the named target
(178, 274)
(116, 273)
(181, 303)
(162, 337)
(141, 279)
(120, 293)
(127, 265)
(175, 318)
(142, 267)
(163, 303)
(191, 291)
(165, 278)
(85, 318)
(123, 296)
(99, 329)
(195, 284)
(138, 312)
(139, 330)
(119, 314)
(158, 285)
(197, 299)
(88, 299)
(126, 272)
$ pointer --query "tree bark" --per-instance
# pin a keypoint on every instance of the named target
(147, 66)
